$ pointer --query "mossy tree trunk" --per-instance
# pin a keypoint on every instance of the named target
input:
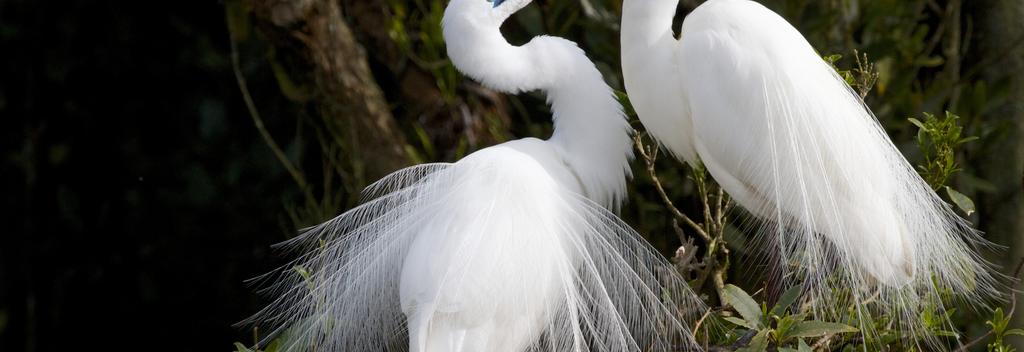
(348, 96)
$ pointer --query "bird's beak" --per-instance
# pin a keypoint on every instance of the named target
(497, 2)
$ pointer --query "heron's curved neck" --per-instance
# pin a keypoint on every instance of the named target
(482, 53)
(647, 39)
(647, 22)
(651, 74)
(590, 129)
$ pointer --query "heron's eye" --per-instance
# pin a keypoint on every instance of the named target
(496, 2)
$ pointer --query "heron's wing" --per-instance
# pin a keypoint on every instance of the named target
(785, 135)
(489, 253)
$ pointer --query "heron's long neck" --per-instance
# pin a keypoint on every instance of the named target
(647, 23)
(651, 73)
(647, 40)
(591, 131)
(590, 128)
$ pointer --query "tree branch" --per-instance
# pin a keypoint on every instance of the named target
(650, 155)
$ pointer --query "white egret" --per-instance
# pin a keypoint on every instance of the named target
(742, 92)
(512, 248)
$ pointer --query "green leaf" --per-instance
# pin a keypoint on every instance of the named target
(931, 61)
(784, 326)
(306, 275)
(968, 139)
(998, 315)
(831, 59)
(918, 123)
(740, 322)
(963, 202)
(787, 299)
(239, 347)
(758, 344)
(273, 346)
(1018, 332)
(744, 304)
(627, 106)
(303, 272)
(803, 347)
(425, 141)
(819, 328)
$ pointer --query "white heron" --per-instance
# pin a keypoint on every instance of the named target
(743, 93)
(512, 248)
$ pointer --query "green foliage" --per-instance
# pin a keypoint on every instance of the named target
(746, 306)
(272, 346)
(939, 138)
(415, 27)
(966, 204)
(779, 327)
(862, 78)
(1000, 330)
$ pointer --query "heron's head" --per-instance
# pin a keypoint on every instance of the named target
(485, 12)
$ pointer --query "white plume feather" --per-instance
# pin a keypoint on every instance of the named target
(511, 249)
(791, 142)
(487, 254)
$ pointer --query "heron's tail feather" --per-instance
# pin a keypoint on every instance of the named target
(848, 215)
(855, 217)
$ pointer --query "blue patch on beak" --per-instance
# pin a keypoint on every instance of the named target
(497, 2)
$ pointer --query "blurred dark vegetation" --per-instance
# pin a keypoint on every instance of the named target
(139, 193)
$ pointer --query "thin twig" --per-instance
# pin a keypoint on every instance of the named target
(243, 87)
(696, 327)
(650, 155)
(720, 210)
(710, 225)
(867, 75)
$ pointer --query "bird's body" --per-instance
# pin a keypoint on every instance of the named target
(482, 276)
(742, 92)
(730, 70)
(513, 248)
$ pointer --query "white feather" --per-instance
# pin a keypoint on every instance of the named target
(743, 92)
(492, 253)
(511, 249)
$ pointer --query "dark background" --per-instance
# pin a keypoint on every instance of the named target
(138, 196)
